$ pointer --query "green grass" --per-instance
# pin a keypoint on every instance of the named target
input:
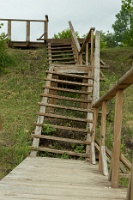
(20, 88)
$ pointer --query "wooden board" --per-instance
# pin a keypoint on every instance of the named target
(57, 179)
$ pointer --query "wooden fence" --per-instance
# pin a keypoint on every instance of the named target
(116, 156)
(28, 22)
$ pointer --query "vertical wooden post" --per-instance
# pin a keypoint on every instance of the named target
(102, 155)
(87, 54)
(9, 30)
(46, 27)
(28, 31)
(117, 139)
(130, 187)
(93, 133)
(96, 68)
(92, 51)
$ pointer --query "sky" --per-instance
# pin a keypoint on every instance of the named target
(83, 14)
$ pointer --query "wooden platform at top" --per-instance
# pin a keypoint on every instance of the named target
(37, 44)
(57, 179)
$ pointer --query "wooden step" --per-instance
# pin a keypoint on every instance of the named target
(64, 51)
(67, 90)
(65, 117)
(66, 107)
(71, 75)
(64, 128)
(63, 47)
(73, 141)
(60, 59)
(66, 98)
(70, 153)
(69, 82)
(62, 55)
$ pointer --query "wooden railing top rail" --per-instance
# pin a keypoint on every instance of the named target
(124, 82)
(24, 20)
(74, 36)
(87, 39)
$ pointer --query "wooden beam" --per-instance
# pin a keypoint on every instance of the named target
(123, 83)
(130, 187)
(46, 27)
(117, 139)
(93, 133)
(74, 36)
(97, 68)
(28, 31)
(102, 155)
(9, 30)
(21, 20)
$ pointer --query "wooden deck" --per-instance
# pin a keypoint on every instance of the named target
(51, 178)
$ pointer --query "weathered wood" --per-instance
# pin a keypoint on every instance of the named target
(56, 151)
(46, 27)
(27, 31)
(64, 117)
(67, 140)
(117, 139)
(130, 187)
(21, 20)
(93, 133)
(0, 124)
(65, 128)
(124, 82)
(71, 75)
(40, 119)
(74, 36)
(9, 30)
(68, 82)
(66, 98)
(96, 68)
(66, 107)
(102, 156)
(88, 38)
(57, 179)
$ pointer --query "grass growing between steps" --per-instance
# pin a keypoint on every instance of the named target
(20, 88)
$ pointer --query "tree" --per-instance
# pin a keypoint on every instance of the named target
(66, 33)
(123, 26)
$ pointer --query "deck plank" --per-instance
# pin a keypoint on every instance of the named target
(57, 179)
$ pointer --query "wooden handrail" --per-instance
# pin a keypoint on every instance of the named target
(87, 39)
(117, 90)
(22, 20)
(123, 83)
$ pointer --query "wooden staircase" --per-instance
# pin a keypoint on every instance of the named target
(63, 123)
(61, 53)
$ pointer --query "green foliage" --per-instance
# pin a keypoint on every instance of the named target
(66, 33)
(107, 40)
(47, 128)
(78, 148)
(5, 58)
(123, 26)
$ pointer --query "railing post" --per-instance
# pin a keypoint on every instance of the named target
(92, 50)
(102, 154)
(96, 68)
(28, 31)
(87, 53)
(9, 30)
(46, 27)
(93, 133)
(130, 187)
(117, 139)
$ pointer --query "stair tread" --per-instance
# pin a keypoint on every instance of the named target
(58, 59)
(62, 54)
(61, 139)
(70, 75)
(63, 47)
(56, 151)
(69, 82)
(65, 128)
(67, 90)
(66, 98)
(64, 117)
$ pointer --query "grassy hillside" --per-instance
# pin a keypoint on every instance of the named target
(20, 88)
